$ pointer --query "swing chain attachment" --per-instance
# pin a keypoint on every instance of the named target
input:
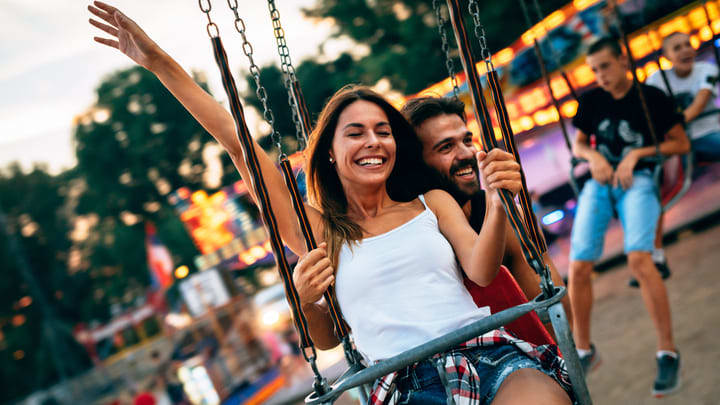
(320, 385)
(212, 29)
(255, 72)
(474, 8)
(449, 64)
(287, 69)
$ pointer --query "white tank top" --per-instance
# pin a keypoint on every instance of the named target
(402, 288)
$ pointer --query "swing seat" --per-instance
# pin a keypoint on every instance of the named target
(676, 179)
(503, 293)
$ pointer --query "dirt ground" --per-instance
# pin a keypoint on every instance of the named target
(625, 338)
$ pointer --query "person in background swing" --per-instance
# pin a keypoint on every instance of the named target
(694, 85)
(448, 149)
(391, 246)
(623, 182)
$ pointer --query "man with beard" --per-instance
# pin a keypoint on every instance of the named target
(622, 181)
(448, 148)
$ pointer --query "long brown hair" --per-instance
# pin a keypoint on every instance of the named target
(407, 179)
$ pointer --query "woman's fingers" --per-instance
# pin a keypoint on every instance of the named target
(107, 17)
(107, 28)
(105, 7)
(108, 42)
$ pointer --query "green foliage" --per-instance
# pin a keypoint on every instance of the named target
(36, 290)
(135, 146)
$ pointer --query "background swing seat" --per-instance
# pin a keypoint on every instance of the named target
(503, 293)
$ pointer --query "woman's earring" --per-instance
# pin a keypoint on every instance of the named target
(331, 160)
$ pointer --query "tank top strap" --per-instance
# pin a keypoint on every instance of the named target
(421, 197)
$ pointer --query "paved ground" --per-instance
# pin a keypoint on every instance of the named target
(623, 332)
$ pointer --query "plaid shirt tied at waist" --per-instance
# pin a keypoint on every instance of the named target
(462, 377)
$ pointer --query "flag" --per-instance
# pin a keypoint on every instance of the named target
(158, 258)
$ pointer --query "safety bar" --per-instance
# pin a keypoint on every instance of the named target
(438, 345)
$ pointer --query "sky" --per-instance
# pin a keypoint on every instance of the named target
(50, 66)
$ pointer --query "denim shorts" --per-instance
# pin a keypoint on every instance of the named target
(707, 147)
(421, 384)
(638, 209)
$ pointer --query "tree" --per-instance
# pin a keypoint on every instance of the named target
(134, 146)
(37, 296)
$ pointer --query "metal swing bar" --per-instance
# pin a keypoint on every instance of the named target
(531, 251)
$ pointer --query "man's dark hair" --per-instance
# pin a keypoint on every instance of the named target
(606, 43)
(421, 109)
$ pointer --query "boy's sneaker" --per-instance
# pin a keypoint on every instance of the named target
(662, 268)
(668, 377)
(590, 361)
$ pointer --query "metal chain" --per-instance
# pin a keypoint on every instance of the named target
(474, 8)
(255, 72)
(205, 7)
(288, 70)
(449, 64)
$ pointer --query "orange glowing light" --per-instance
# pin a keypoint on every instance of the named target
(697, 17)
(569, 108)
(676, 24)
(665, 64)
(716, 26)
(583, 4)
(694, 41)
(512, 109)
(267, 246)
(526, 123)
(640, 46)
(559, 87)
(498, 133)
(534, 99)
(705, 33)
(199, 197)
(650, 68)
(25, 301)
(503, 56)
(640, 72)
(18, 320)
(554, 19)
(257, 252)
(184, 193)
(713, 11)
(247, 258)
(583, 75)
(181, 272)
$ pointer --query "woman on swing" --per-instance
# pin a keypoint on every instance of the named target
(394, 243)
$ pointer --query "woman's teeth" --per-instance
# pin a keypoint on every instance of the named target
(370, 161)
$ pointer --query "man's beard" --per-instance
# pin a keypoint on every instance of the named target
(447, 183)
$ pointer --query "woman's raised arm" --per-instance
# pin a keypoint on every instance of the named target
(130, 39)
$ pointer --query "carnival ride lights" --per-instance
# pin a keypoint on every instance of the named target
(532, 108)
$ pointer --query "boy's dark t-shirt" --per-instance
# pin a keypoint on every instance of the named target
(620, 125)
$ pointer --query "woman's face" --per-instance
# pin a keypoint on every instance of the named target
(363, 147)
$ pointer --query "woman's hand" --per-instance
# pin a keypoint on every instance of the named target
(499, 170)
(313, 275)
(128, 37)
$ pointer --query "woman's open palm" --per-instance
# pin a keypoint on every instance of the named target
(129, 38)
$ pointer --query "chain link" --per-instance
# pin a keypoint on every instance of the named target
(255, 73)
(474, 8)
(449, 64)
(211, 28)
(288, 70)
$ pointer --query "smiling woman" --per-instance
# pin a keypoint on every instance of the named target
(395, 245)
